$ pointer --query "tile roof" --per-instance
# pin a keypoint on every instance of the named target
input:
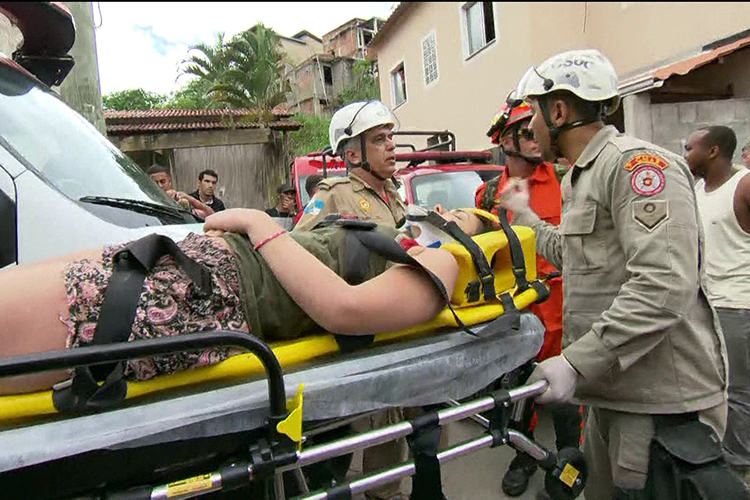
(176, 120)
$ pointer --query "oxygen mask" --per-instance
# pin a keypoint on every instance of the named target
(417, 228)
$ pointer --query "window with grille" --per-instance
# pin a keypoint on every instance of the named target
(398, 85)
(479, 21)
(429, 58)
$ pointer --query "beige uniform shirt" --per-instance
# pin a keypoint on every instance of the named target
(351, 195)
(636, 322)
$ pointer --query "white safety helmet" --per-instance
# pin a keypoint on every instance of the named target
(355, 118)
(584, 73)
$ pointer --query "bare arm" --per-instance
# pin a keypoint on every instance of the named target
(742, 203)
(399, 298)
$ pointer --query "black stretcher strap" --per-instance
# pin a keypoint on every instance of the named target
(484, 270)
(516, 250)
(426, 484)
(130, 266)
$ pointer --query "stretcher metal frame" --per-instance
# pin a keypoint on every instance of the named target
(275, 453)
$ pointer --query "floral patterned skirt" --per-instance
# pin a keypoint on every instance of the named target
(167, 305)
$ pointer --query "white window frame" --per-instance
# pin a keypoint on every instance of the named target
(425, 69)
(399, 65)
(464, 15)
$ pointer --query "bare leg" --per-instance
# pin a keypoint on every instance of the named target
(32, 298)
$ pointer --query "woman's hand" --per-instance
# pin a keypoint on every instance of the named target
(255, 223)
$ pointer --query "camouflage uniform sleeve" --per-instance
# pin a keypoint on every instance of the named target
(486, 194)
(320, 205)
(652, 207)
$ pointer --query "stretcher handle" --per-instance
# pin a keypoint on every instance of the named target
(108, 353)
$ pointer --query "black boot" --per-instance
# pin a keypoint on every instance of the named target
(516, 478)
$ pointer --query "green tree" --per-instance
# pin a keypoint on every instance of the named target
(313, 136)
(209, 63)
(364, 87)
(194, 95)
(244, 72)
(133, 99)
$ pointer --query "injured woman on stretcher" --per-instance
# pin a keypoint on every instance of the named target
(267, 282)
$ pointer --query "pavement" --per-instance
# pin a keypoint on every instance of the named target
(479, 476)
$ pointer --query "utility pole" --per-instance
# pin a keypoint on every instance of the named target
(81, 89)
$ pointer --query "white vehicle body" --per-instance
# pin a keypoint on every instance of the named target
(63, 186)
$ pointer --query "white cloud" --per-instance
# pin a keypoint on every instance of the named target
(141, 44)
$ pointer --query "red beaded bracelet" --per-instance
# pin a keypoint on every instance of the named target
(266, 240)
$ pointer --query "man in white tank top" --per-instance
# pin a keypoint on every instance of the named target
(723, 197)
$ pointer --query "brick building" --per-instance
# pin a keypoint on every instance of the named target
(328, 69)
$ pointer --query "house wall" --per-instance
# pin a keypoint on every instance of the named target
(469, 91)
(248, 174)
(298, 51)
(343, 74)
(673, 123)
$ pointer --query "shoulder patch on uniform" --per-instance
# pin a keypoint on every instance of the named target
(646, 159)
(647, 180)
(314, 207)
(649, 214)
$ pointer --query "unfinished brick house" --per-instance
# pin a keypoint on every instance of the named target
(319, 79)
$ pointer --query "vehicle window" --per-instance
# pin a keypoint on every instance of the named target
(303, 194)
(487, 175)
(450, 189)
(64, 148)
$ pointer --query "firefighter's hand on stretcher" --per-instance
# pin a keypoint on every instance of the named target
(515, 196)
(560, 375)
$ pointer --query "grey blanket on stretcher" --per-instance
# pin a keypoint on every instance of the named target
(429, 370)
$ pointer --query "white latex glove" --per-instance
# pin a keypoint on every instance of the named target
(515, 196)
(562, 378)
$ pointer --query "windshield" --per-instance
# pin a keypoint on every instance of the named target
(64, 148)
(303, 194)
(450, 189)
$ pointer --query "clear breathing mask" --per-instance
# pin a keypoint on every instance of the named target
(417, 228)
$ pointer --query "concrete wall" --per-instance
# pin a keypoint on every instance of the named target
(343, 74)
(469, 90)
(673, 123)
(298, 51)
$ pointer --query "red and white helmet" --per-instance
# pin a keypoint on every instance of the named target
(510, 114)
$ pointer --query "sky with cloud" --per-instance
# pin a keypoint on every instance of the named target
(141, 44)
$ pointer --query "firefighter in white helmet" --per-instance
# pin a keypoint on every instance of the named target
(641, 345)
(362, 134)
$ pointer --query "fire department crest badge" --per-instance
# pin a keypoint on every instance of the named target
(647, 180)
(365, 205)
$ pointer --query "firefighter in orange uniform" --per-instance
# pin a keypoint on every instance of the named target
(509, 131)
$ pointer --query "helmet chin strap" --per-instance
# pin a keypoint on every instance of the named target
(554, 132)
